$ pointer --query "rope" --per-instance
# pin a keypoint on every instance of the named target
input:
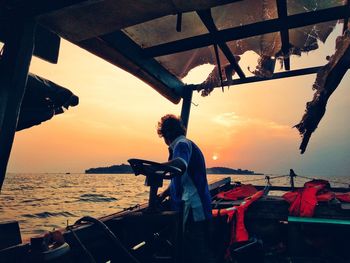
(298, 176)
(264, 179)
(110, 234)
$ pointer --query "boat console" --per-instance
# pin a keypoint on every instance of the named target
(155, 174)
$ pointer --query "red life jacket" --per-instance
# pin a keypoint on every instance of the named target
(344, 197)
(304, 201)
(239, 192)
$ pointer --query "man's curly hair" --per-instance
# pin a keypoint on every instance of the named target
(170, 127)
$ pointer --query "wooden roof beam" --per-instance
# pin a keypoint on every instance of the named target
(207, 19)
(282, 14)
(255, 29)
(121, 51)
(35, 8)
(279, 75)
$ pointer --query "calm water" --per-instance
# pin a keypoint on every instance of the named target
(42, 202)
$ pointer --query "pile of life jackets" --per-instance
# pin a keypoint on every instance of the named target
(303, 201)
(235, 214)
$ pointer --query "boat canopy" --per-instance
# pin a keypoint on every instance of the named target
(160, 41)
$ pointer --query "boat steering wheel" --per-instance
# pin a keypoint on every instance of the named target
(149, 168)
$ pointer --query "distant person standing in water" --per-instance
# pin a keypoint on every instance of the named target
(189, 191)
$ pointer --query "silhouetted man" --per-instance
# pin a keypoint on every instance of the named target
(189, 191)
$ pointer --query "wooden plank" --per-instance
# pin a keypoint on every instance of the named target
(255, 29)
(218, 183)
(16, 254)
(122, 43)
(186, 106)
(10, 234)
(27, 9)
(14, 68)
(42, 7)
(279, 75)
(46, 46)
(282, 15)
(207, 20)
(131, 229)
(102, 49)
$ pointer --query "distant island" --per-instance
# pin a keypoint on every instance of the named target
(114, 169)
(126, 169)
(225, 170)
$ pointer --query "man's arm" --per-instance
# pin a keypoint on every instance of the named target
(178, 163)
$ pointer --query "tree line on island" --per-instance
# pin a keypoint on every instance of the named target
(126, 169)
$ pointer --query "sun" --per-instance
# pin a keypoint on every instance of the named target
(215, 157)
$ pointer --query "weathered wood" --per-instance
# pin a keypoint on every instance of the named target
(207, 20)
(46, 46)
(279, 75)
(16, 254)
(31, 9)
(131, 229)
(282, 14)
(14, 66)
(245, 31)
(218, 184)
(123, 52)
(76, 20)
(186, 106)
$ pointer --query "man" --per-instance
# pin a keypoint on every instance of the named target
(189, 191)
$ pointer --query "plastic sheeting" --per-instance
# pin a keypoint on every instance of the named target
(267, 46)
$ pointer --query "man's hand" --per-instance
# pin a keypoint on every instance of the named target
(163, 195)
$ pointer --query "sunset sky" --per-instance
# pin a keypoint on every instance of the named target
(248, 126)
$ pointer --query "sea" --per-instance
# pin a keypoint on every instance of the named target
(49, 201)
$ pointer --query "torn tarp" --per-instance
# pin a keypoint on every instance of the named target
(327, 80)
(42, 100)
(267, 46)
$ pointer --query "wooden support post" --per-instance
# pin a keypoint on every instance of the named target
(207, 19)
(186, 105)
(282, 14)
(14, 67)
(292, 175)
